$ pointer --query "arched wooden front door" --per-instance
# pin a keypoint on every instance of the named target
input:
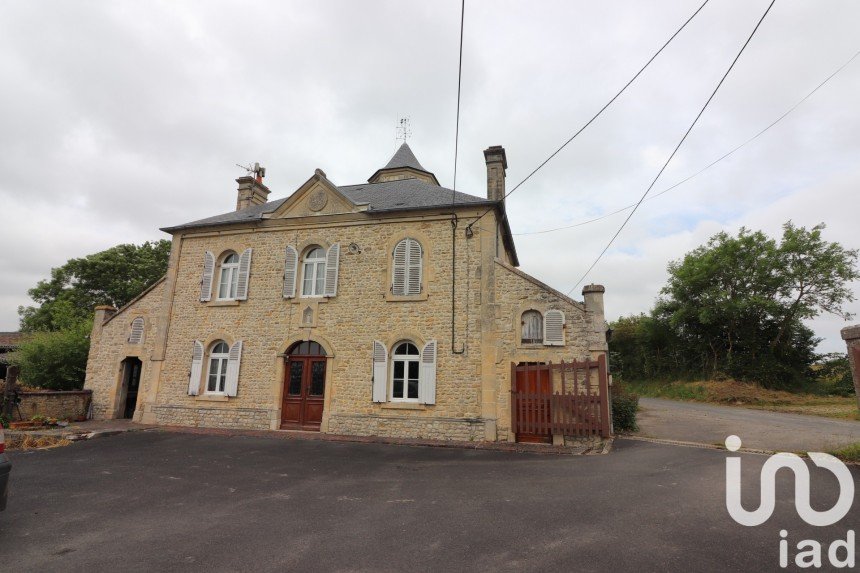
(304, 387)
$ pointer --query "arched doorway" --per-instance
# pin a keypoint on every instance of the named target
(127, 403)
(304, 386)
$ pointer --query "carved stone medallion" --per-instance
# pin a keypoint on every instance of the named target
(318, 200)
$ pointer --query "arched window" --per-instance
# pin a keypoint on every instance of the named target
(407, 268)
(532, 322)
(136, 334)
(217, 375)
(405, 372)
(313, 272)
(229, 280)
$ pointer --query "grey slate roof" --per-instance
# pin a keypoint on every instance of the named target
(400, 195)
(404, 158)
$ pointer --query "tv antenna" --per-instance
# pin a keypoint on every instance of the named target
(256, 170)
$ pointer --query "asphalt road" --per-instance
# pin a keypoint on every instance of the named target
(759, 429)
(160, 501)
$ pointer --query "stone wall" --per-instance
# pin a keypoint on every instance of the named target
(109, 346)
(69, 405)
(517, 292)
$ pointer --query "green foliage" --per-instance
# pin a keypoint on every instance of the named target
(114, 276)
(4, 421)
(734, 307)
(624, 407)
(848, 453)
(673, 391)
(834, 374)
(55, 360)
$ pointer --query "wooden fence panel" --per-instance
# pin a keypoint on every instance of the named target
(581, 409)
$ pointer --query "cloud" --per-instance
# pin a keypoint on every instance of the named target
(125, 117)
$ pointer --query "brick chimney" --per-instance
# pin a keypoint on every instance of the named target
(251, 189)
(497, 162)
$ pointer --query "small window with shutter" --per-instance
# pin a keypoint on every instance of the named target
(532, 327)
(136, 334)
(553, 334)
(407, 268)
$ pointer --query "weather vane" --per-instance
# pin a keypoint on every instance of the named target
(403, 131)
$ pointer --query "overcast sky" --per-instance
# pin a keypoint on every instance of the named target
(117, 118)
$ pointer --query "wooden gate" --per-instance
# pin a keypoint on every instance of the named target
(579, 406)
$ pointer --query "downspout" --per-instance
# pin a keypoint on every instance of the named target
(454, 222)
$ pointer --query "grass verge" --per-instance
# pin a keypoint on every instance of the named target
(733, 393)
(848, 453)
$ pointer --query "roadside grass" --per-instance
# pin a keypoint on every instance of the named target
(848, 453)
(734, 393)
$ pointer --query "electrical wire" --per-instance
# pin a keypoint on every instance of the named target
(677, 147)
(459, 81)
(706, 167)
(590, 121)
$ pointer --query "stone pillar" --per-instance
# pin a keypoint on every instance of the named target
(851, 336)
(497, 162)
(251, 192)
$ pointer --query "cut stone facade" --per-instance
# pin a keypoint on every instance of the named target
(476, 325)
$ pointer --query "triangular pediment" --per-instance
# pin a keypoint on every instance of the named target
(317, 196)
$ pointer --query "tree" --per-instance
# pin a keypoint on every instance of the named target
(737, 304)
(55, 360)
(54, 354)
(114, 276)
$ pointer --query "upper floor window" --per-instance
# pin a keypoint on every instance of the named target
(407, 268)
(405, 372)
(313, 272)
(217, 375)
(229, 280)
(532, 323)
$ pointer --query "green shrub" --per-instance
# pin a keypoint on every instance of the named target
(55, 360)
(624, 407)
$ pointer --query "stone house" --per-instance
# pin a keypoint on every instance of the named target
(370, 309)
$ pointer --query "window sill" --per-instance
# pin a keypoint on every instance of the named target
(406, 298)
(223, 303)
(212, 398)
(403, 406)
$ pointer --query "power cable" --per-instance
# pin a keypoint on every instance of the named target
(708, 166)
(590, 121)
(677, 147)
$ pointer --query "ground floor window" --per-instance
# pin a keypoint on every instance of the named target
(405, 372)
(217, 376)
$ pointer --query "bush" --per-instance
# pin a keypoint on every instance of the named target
(55, 360)
(625, 404)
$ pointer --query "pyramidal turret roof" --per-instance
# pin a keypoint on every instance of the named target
(404, 158)
(403, 163)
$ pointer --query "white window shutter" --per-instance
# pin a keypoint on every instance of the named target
(196, 369)
(244, 275)
(398, 286)
(414, 268)
(234, 359)
(291, 266)
(206, 281)
(553, 328)
(332, 259)
(380, 371)
(136, 335)
(427, 379)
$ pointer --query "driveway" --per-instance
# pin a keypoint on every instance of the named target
(758, 429)
(164, 501)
